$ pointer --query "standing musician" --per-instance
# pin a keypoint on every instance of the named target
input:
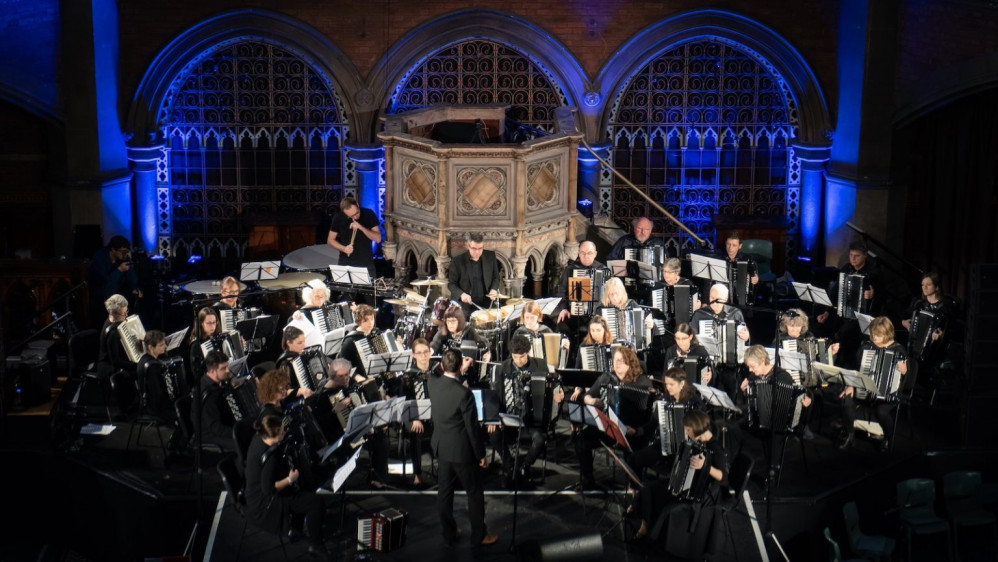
(686, 345)
(154, 394)
(457, 444)
(206, 327)
(881, 338)
(927, 343)
(473, 278)
(272, 496)
(343, 230)
(848, 333)
(229, 294)
(627, 372)
(677, 391)
(718, 311)
(656, 497)
(214, 419)
(112, 356)
(731, 256)
(110, 272)
(513, 379)
(640, 237)
(292, 344)
(416, 386)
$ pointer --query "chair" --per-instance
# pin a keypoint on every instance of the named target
(834, 553)
(261, 368)
(762, 252)
(125, 391)
(84, 349)
(242, 435)
(738, 479)
(234, 484)
(182, 407)
(973, 526)
(868, 546)
(919, 520)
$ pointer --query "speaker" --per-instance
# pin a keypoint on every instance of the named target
(574, 548)
(31, 382)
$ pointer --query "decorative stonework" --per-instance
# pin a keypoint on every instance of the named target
(542, 184)
(481, 192)
(420, 180)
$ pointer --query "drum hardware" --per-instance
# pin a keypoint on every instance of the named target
(429, 282)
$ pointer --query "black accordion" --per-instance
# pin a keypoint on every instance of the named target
(310, 368)
(740, 281)
(774, 405)
(731, 348)
(175, 378)
(627, 326)
(881, 365)
(677, 304)
(692, 365)
(596, 358)
(383, 531)
(923, 323)
(685, 483)
(850, 295)
(241, 397)
(670, 426)
(330, 317)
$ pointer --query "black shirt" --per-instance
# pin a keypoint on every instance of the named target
(363, 254)
(477, 281)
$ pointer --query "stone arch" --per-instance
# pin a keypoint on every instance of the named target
(945, 86)
(746, 34)
(32, 104)
(189, 46)
(540, 46)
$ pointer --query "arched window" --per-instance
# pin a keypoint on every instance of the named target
(479, 72)
(705, 129)
(251, 128)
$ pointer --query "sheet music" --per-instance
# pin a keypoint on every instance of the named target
(864, 322)
(343, 472)
(258, 270)
(811, 293)
(548, 305)
(792, 360)
(238, 366)
(350, 275)
(174, 340)
(420, 409)
(712, 269)
(716, 397)
(333, 341)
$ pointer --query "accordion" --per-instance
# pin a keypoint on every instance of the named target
(774, 405)
(596, 358)
(231, 344)
(685, 483)
(539, 409)
(585, 289)
(850, 295)
(384, 531)
(376, 344)
(632, 404)
(174, 378)
(310, 368)
(627, 326)
(881, 365)
(230, 317)
(731, 349)
(670, 426)
(548, 347)
(240, 395)
(693, 365)
(654, 255)
(923, 323)
(739, 279)
(815, 350)
(133, 335)
(677, 304)
(330, 317)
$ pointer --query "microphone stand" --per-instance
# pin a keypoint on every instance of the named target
(774, 466)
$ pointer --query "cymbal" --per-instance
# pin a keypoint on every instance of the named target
(516, 301)
(501, 296)
(427, 282)
(401, 302)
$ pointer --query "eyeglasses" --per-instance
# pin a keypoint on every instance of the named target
(587, 253)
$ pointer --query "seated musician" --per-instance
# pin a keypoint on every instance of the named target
(416, 386)
(881, 338)
(229, 294)
(272, 390)
(733, 254)
(455, 330)
(717, 311)
(687, 346)
(615, 299)
(627, 372)
(205, 328)
(931, 350)
(364, 316)
(587, 260)
(656, 499)
(597, 334)
(154, 394)
(761, 368)
(112, 356)
(214, 420)
(292, 344)
(848, 332)
(530, 324)
(648, 454)
(271, 494)
(639, 237)
(513, 376)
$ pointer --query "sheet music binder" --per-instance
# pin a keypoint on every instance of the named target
(259, 270)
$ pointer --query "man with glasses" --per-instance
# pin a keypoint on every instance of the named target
(574, 327)
(640, 237)
(474, 275)
(351, 233)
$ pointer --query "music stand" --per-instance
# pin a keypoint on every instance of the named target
(343, 472)
(256, 328)
(548, 305)
(810, 293)
(717, 397)
(333, 340)
(391, 362)
(846, 377)
(710, 344)
(238, 366)
(257, 270)
(632, 269)
(578, 378)
(711, 269)
(793, 360)
(350, 275)
(174, 340)
(487, 406)
(864, 322)
(412, 410)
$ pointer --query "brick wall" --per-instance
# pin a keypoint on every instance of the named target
(935, 34)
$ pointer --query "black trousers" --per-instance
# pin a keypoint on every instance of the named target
(448, 475)
(311, 506)
(505, 441)
(587, 440)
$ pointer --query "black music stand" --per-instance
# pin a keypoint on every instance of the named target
(257, 270)
(639, 271)
(717, 397)
(412, 410)
(391, 362)
(333, 342)
(238, 366)
(487, 405)
(709, 269)
(261, 327)
(174, 340)
(508, 420)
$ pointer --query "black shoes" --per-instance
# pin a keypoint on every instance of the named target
(885, 445)
(845, 440)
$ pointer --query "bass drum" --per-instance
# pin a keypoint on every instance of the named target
(440, 306)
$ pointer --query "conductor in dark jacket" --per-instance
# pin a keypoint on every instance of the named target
(458, 446)
(474, 275)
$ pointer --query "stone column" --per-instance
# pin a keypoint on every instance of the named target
(813, 160)
(589, 170)
(143, 160)
(367, 160)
